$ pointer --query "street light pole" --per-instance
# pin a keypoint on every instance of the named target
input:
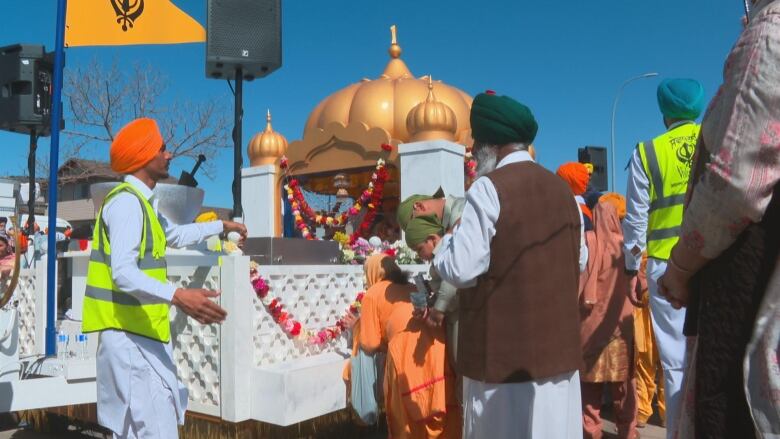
(614, 110)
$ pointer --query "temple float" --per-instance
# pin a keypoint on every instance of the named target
(278, 358)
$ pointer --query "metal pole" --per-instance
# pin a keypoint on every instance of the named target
(56, 116)
(614, 110)
(30, 226)
(238, 211)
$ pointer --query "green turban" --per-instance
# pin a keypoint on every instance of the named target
(500, 120)
(681, 98)
(405, 209)
(421, 227)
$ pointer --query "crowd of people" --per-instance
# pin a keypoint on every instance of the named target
(542, 296)
(547, 297)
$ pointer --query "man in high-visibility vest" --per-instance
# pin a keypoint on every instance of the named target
(128, 295)
(657, 182)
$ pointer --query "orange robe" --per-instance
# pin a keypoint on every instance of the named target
(419, 388)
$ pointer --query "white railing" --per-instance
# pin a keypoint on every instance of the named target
(30, 299)
(219, 364)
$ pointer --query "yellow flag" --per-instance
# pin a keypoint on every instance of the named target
(125, 22)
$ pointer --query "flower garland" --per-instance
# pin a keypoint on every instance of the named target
(370, 198)
(470, 166)
(285, 320)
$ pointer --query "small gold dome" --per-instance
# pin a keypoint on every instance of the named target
(267, 146)
(431, 119)
(386, 101)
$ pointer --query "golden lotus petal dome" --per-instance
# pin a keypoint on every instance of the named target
(385, 102)
(266, 146)
(431, 119)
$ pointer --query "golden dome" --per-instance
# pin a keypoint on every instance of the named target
(386, 101)
(267, 146)
(431, 119)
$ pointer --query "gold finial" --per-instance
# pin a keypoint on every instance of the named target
(395, 49)
(431, 119)
(430, 97)
(266, 146)
(268, 127)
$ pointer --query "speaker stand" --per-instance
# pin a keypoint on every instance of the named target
(238, 211)
(31, 172)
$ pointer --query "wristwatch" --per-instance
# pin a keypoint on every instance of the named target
(631, 272)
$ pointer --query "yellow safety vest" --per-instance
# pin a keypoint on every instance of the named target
(667, 161)
(108, 307)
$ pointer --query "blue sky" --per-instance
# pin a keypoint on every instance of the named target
(564, 59)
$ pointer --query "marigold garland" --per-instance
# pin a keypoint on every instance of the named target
(285, 320)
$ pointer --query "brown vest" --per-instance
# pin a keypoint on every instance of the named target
(521, 321)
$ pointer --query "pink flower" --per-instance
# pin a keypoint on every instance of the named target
(322, 337)
(289, 325)
(260, 287)
(352, 211)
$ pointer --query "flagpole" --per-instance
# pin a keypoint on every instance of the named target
(56, 117)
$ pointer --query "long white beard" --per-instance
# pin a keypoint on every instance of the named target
(487, 159)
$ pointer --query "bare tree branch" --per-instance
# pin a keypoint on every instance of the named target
(102, 99)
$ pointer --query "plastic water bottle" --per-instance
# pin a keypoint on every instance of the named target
(62, 345)
(82, 346)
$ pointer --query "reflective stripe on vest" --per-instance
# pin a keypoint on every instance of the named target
(667, 162)
(108, 307)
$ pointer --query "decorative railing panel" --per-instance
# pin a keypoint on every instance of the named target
(196, 346)
(316, 296)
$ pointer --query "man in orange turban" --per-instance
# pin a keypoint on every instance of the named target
(135, 145)
(128, 295)
(577, 176)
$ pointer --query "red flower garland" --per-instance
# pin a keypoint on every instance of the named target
(291, 326)
(371, 198)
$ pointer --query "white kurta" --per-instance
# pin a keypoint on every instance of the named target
(546, 408)
(138, 391)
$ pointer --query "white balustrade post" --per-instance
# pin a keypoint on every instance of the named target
(429, 165)
(40, 306)
(236, 342)
(79, 264)
(258, 198)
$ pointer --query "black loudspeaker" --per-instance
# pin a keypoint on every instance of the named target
(245, 34)
(26, 73)
(597, 156)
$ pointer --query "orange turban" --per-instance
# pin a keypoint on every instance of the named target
(135, 145)
(575, 175)
(617, 200)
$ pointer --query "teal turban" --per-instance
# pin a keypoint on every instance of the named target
(681, 98)
(500, 120)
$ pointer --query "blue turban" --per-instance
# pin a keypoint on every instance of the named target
(681, 98)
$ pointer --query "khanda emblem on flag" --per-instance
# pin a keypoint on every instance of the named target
(127, 12)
